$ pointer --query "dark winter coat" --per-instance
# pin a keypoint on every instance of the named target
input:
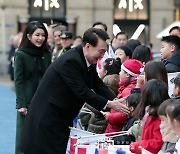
(25, 76)
(172, 63)
(126, 139)
(65, 87)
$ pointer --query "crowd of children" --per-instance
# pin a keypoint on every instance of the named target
(126, 68)
(143, 86)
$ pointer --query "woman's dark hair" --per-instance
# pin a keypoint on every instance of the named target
(30, 28)
(173, 109)
(133, 100)
(163, 106)
(153, 94)
(91, 36)
(155, 70)
(142, 53)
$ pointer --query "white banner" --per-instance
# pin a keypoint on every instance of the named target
(171, 77)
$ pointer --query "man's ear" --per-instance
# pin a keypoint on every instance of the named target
(87, 46)
(173, 48)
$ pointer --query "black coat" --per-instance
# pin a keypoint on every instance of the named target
(126, 139)
(172, 63)
(65, 87)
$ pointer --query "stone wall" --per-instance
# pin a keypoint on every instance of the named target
(161, 15)
(85, 13)
(11, 12)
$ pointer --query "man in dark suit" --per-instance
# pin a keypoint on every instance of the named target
(69, 82)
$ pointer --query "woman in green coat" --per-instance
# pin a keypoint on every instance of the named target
(31, 61)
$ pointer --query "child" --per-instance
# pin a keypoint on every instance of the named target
(153, 70)
(97, 123)
(123, 52)
(170, 53)
(153, 94)
(110, 66)
(168, 135)
(91, 119)
(130, 69)
(141, 53)
(176, 90)
(132, 102)
(133, 43)
(173, 115)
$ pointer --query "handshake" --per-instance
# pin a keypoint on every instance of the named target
(119, 105)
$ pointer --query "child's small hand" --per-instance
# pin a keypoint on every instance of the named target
(106, 115)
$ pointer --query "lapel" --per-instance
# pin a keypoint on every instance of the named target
(88, 72)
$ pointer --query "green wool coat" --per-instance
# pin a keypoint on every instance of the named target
(23, 72)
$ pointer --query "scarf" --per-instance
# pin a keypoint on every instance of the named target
(122, 84)
(38, 64)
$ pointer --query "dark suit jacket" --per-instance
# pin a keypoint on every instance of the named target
(65, 87)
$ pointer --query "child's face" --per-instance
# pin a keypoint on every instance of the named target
(166, 50)
(164, 120)
(123, 74)
(174, 124)
(176, 91)
(102, 72)
(119, 53)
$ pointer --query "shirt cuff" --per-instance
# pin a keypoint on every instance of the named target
(105, 105)
(108, 102)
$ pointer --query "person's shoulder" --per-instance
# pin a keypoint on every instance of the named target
(73, 54)
(19, 52)
(174, 56)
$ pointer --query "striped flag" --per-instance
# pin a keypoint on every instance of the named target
(87, 149)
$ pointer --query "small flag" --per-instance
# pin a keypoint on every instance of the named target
(87, 149)
(144, 151)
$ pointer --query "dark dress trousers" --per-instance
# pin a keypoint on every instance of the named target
(65, 87)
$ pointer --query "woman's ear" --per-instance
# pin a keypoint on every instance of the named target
(131, 109)
(28, 36)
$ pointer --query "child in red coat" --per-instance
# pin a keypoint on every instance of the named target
(153, 94)
(130, 69)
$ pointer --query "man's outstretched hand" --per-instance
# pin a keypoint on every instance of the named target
(119, 105)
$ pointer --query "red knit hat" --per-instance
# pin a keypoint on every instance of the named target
(132, 67)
